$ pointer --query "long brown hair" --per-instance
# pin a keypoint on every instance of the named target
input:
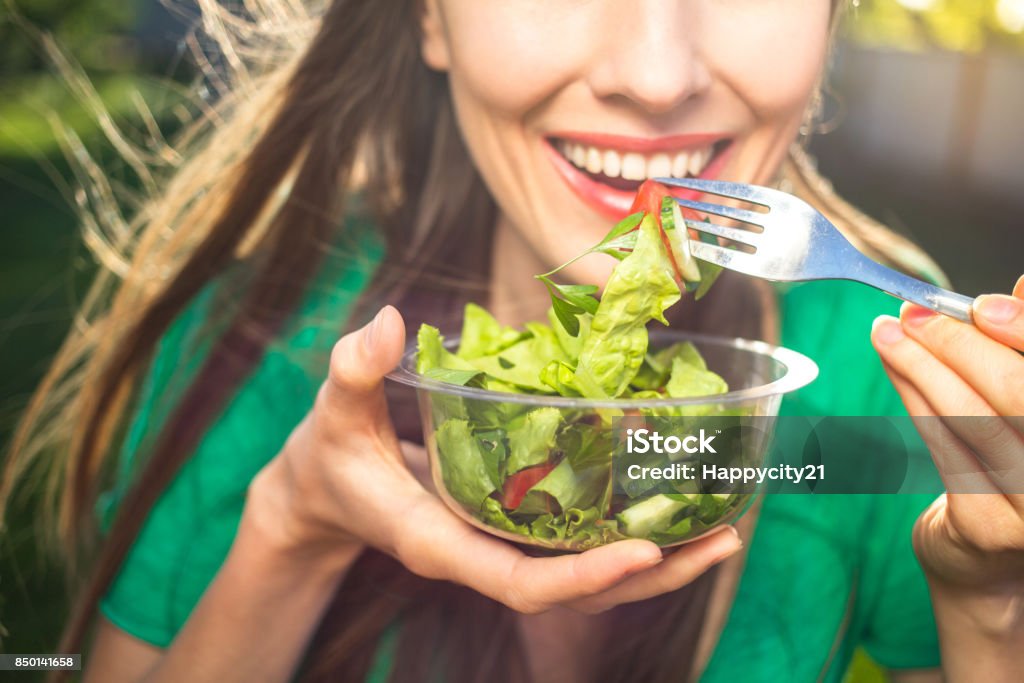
(343, 101)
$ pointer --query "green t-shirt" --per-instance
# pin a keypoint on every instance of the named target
(824, 575)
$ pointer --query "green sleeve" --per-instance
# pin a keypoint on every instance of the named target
(187, 534)
(831, 322)
(899, 630)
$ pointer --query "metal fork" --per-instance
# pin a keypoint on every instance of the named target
(796, 243)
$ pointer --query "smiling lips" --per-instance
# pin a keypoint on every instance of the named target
(605, 170)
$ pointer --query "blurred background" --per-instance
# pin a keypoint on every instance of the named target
(921, 127)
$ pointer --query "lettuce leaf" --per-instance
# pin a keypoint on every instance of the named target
(531, 442)
(521, 363)
(571, 344)
(565, 487)
(561, 377)
(494, 515)
(459, 377)
(657, 366)
(709, 272)
(640, 288)
(494, 453)
(462, 467)
(674, 533)
(431, 353)
(482, 335)
(689, 381)
(549, 527)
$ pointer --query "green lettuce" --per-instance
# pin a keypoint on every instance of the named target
(657, 365)
(639, 290)
(520, 364)
(482, 335)
(494, 515)
(463, 468)
(566, 488)
(531, 442)
(431, 354)
(546, 473)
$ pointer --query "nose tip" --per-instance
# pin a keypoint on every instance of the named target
(652, 61)
(661, 86)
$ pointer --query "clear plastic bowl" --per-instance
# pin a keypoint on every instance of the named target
(474, 426)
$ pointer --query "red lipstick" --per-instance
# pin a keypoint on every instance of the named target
(614, 202)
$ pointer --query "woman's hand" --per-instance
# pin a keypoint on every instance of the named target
(341, 483)
(971, 546)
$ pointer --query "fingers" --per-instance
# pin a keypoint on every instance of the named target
(560, 580)
(677, 570)
(976, 522)
(439, 545)
(352, 393)
(942, 391)
(941, 387)
(956, 463)
(994, 370)
(1001, 317)
(360, 359)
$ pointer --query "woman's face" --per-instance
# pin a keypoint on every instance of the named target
(566, 105)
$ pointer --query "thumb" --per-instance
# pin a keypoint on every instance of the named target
(353, 392)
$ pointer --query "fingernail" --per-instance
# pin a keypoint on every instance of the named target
(732, 546)
(887, 330)
(371, 333)
(652, 561)
(997, 308)
(915, 315)
(655, 560)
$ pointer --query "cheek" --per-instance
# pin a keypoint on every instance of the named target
(507, 58)
(771, 52)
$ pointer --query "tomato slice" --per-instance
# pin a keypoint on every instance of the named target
(518, 484)
(648, 198)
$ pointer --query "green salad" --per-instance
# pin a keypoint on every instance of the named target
(546, 473)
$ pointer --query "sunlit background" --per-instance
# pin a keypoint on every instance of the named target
(924, 129)
(921, 127)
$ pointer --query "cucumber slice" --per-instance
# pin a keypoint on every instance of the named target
(680, 241)
(652, 514)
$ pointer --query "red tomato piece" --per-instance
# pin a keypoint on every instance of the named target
(648, 198)
(518, 484)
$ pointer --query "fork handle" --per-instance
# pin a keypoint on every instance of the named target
(916, 291)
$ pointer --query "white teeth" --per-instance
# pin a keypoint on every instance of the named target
(680, 165)
(697, 162)
(634, 167)
(579, 155)
(659, 166)
(612, 164)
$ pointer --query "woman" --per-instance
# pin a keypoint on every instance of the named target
(469, 145)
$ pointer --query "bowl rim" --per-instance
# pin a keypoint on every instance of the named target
(800, 371)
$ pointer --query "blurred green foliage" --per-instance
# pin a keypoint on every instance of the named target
(960, 25)
(32, 105)
(44, 268)
(97, 32)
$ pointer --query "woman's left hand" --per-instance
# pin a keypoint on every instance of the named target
(946, 370)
